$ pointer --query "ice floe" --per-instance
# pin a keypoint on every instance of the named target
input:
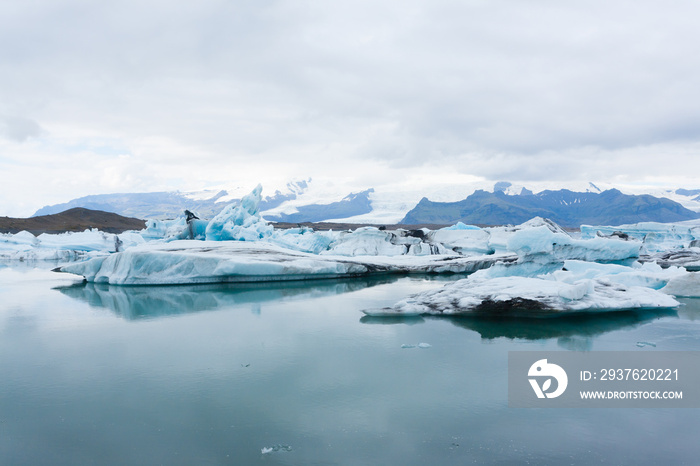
(189, 262)
(656, 237)
(523, 296)
(24, 246)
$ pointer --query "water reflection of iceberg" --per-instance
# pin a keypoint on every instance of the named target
(146, 302)
(569, 329)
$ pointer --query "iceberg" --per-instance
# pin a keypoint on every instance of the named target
(541, 240)
(525, 296)
(688, 258)
(656, 237)
(579, 286)
(533, 268)
(191, 262)
(274, 448)
(24, 246)
(462, 240)
(684, 285)
(419, 345)
(366, 241)
(240, 222)
(648, 275)
(244, 247)
(303, 239)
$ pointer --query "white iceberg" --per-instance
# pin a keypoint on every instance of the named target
(24, 246)
(684, 285)
(541, 240)
(303, 239)
(366, 241)
(655, 236)
(240, 222)
(688, 258)
(189, 262)
(463, 240)
(525, 296)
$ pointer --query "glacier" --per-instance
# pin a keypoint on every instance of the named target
(533, 268)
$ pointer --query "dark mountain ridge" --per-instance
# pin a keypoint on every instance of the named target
(76, 219)
(567, 208)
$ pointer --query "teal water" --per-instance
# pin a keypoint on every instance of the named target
(211, 375)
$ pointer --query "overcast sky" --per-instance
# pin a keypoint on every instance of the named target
(128, 96)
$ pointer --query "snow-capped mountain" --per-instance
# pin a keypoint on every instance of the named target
(415, 202)
(170, 204)
(567, 208)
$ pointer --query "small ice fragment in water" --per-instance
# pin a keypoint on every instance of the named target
(642, 344)
(419, 345)
(278, 447)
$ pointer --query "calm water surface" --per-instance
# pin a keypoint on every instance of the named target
(215, 374)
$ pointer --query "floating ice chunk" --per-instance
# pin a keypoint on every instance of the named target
(516, 268)
(560, 246)
(23, 238)
(648, 275)
(642, 344)
(65, 246)
(466, 241)
(273, 448)
(688, 258)
(537, 240)
(366, 241)
(419, 345)
(460, 226)
(240, 222)
(686, 285)
(656, 236)
(526, 296)
(303, 239)
(189, 262)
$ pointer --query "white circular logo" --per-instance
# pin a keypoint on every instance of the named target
(542, 370)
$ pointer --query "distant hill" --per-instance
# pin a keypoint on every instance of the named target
(140, 205)
(567, 208)
(76, 219)
(302, 201)
(171, 204)
(351, 205)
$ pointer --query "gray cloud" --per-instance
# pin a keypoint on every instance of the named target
(19, 129)
(494, 89)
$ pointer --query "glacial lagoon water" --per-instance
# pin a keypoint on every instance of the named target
(295, 374)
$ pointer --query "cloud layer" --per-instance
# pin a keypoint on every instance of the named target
(128, 96)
